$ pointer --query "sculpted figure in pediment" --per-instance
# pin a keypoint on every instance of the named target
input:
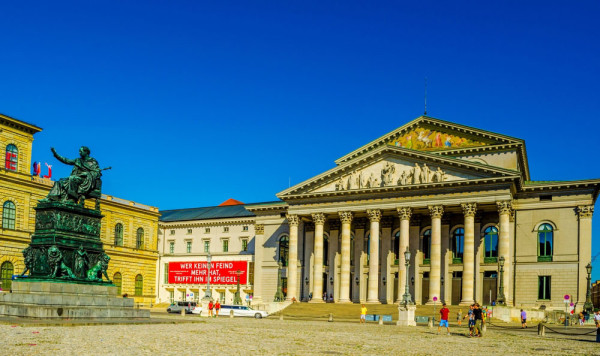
(425, 171)
(416, 174)
(439, 175)
(339, 185)
(403, 180)
(387, 174)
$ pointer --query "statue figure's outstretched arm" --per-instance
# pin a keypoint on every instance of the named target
(61, 158)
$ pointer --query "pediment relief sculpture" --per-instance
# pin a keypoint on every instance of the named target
(431, 140)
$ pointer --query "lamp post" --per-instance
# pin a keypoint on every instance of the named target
(406, 298)
(501, 298)
(237, 299)
(207, 293)
(588, 306)
(279, 293)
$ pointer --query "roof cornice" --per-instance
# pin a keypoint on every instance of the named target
(18, 124)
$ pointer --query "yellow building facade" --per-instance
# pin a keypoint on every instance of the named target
(129, 229)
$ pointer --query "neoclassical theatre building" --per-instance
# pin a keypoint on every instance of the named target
(459, 198)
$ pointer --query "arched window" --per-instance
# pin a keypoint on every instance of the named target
(325, 250)
(396, 246)
(545, 242)
(119, 234)
(118, 281)
(12, 154)
(490, 236)
(458, 240)
(426, 248)
(139, 285)
(284, 250)
(139, 241)
(6, 272)
(9, 213)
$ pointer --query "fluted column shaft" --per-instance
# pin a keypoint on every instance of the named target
(405, 214)
(292, 277)
(373, 285)
(468, 276)
(346, 219)
(436, 252)
(319, 220)
(504, 209)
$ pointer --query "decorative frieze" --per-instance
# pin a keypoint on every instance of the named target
(469, 209)
(259, 229)
(405, 213)
(292, 219)
(318, 218)
(374, 215)
(345, 216)
(410, 175)
(585, 211)
(436, 211)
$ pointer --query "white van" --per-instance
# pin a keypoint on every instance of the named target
(242, 310)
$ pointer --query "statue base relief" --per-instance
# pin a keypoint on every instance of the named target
(406, 315)
(55, 300)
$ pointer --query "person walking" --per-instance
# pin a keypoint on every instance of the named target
(477, 314)
(581, 318)
(217, 308)
(470, 320)
(523, 319)
(363, 314)
(444, 319)
(459, 317)
(597, 318)
(210, 308)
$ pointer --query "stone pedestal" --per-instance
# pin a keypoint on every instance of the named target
(406, 315)
(58, 300)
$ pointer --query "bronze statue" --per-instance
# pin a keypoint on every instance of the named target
(57, 266)
(81, 262)
(84, 181)
(95, 273)
(28, 256)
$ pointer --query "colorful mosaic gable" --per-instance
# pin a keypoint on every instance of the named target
(431, 140)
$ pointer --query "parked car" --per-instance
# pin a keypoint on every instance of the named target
(197, 310)
(176, 307)
(242, 310)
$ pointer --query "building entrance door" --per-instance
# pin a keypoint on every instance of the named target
(425, 288)
(490, 286)
(456, 288)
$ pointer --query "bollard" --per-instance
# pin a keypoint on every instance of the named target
(430, 322)
(183, 312)
(597, 334)
(541, 329)
(281, 316)
(380, 319)
(483, 328)
(231, 314)
(330, 317)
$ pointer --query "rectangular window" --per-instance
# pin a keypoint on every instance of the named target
(171, 247)
(172, 232)
(225, 228)
(207, 246)
(166, 273)
(225, 245)
(251, 273)
(245, 245)
(544, 288)
(207, 230)
(189, 231)
(245, 228)
(188, 246)
(183, 296)
(171, 296)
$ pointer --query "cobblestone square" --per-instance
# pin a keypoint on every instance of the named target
(275, 337)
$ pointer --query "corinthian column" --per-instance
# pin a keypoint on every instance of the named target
(468, 276)
(373, 286)
(405, 214)
(505, 209)
(319, 220)
(585, 213)
(436, 252)
(346, 219)
(292, 277)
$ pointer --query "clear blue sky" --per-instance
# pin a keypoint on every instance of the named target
(193, 102)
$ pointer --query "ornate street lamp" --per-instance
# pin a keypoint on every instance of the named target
(279, 293)
(406, 298)
(237, 299)
(501, 298)
(208, 294)
(588, 306)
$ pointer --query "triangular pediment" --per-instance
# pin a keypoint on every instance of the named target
(390, 167)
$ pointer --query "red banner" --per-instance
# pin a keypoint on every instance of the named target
(221, 272)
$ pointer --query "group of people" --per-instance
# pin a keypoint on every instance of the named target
(476, 318)
(216, 306)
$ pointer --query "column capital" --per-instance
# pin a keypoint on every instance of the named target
(309, 226)
(259, 229)
(345, 216)
(436, 211)
(585, 211)
(374, 215)
(318, 218)
(404, 212)
(469, 209)
(292, 219)
(504, 207)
